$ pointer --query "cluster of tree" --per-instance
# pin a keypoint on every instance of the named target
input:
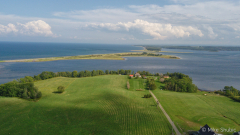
(151, 83)
(151, 54)
(147, 96)
(22, 88)
(230, 92)
(180, 82)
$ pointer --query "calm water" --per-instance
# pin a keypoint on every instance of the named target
(209, 70)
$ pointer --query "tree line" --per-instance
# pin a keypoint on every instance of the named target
(230, 92)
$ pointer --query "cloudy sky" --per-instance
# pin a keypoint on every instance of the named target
(205, 22)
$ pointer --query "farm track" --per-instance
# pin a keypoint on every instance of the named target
(165, 113)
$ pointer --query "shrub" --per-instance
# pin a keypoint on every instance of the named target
(39, 94)
(60, 89)
(33, 95)
(24, 95)
(147, 96)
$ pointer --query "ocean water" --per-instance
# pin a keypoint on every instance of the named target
(209, 70)
(21, 50)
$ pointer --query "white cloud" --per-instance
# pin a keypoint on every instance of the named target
(235, 26)
(7, 29)
(156, 30)
(237, 37)
(36, 28)
(211, 34)
(33, 28)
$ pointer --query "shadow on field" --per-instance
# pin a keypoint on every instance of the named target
(100, 114)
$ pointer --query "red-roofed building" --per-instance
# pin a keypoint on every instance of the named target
(131, 76)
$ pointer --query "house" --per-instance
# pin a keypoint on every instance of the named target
(205, 130)
(166, 76)
(137, 75)
(236, 133)
(131, 76)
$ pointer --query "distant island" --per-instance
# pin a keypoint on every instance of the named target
(198, 48)
(115, 56)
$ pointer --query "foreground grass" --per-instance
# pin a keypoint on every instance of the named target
(116, 56)
(189, 111)
(93, 105)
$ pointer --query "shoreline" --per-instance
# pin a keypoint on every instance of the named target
(114, 56)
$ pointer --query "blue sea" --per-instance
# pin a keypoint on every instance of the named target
(209, 70)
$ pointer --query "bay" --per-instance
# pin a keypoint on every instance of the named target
(209, 70)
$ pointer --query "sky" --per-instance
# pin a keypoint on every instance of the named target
(180, 22)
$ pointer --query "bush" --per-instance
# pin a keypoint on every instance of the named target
(39, 94)
(24, 95)
(33, 95)
(60, 89)
(147, 96)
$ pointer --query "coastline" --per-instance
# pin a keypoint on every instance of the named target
(114, 56)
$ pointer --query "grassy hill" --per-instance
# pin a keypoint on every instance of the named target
(103, 105)
(92, 105)
(191, 110)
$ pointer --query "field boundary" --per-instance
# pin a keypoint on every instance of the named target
(165, 113)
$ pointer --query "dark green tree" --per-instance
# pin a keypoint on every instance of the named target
(75, 73)
(106, 72)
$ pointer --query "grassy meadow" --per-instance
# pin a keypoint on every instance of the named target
(189, 111)
(91, 105)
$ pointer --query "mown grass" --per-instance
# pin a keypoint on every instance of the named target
(116, 56)
(137, 84)
(92, 105)
(189, 111)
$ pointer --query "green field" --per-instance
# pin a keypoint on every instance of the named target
(189, 111)
(91, 105)
(137, 84)
(103, 105)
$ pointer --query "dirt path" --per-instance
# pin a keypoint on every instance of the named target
(165, 113)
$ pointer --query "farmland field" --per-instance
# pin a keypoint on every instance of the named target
(189, 111)
(91, 105)
(137, 84)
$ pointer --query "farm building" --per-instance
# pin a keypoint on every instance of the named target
(144, 76)
(131, 76)
(137, 75)
(166, 76)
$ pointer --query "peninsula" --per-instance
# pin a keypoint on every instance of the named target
(115, 56)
